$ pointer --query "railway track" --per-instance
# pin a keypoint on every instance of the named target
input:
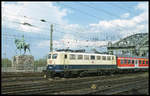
(113, 89)
(103, 87)
(20, 74)
(67, 86)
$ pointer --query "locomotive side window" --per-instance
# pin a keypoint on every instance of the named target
(140, 62)
(98, 57)
(72, 56)
(92, 57)
(54, 56)
(80, 57)
(108, 58)
(86, 57)
(132, 61)
(143, 61)
(49, 56)
(104, 57)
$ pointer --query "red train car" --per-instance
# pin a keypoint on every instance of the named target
(132, 62)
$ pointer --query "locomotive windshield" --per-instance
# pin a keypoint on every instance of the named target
(54, 56)
(49, 56)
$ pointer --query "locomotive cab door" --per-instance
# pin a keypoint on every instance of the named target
(65, 61)
(136, 64)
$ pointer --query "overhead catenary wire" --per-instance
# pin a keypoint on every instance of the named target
(69, 6)
(84, 13)
(99, 9)
(96, 17)
(48, 21)
(73, 32)
(120, 7)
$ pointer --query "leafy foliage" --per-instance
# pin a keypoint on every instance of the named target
(41, 62)
(6, 62)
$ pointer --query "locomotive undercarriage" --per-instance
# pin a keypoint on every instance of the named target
(83, 73)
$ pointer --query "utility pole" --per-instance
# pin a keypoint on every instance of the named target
(51, 40)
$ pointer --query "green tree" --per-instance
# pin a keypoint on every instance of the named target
(41, 62)
(6, 62)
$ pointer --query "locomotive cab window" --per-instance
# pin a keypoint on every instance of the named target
(54, 56)
(92, 57)
(49, 56)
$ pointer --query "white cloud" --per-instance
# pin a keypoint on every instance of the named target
(142, 6)
(40, 10)
(125, 15)
(124, 27)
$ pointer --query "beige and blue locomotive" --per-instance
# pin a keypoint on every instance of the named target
(71, 62)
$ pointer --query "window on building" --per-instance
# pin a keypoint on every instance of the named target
(49, 56)
(98, 57)
(72, 56)
(104, 57)
(92, 57)
(108, 58)
(54, 56)
(86, 57)
(80, 57)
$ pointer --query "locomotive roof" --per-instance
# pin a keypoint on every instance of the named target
(81, 53)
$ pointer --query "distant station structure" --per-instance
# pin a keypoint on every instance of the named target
(134, 45)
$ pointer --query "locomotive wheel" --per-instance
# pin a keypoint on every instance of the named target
(66, 74)
(82, 74)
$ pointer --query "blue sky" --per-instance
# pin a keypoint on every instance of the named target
(76, 24)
